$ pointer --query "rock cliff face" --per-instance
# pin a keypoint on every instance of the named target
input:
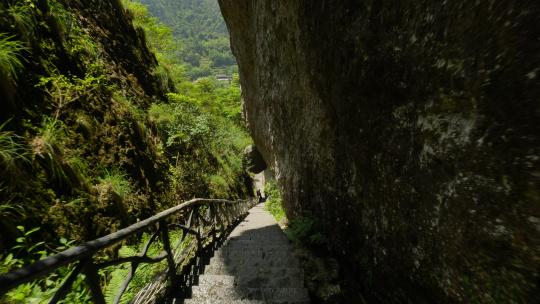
(409, 131)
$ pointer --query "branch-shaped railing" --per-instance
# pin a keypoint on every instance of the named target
(208, 220)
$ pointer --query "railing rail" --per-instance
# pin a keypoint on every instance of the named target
(208, 226)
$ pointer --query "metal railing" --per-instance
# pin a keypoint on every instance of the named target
(208, 220)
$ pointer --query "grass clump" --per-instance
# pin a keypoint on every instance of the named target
(49, 136)
(11, 149)
(118, 181)
(10, 56)
(23, 17)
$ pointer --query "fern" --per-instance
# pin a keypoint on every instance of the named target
(144, 274)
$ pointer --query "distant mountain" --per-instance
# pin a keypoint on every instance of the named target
(202, 31)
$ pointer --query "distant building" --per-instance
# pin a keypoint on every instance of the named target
(224, 78)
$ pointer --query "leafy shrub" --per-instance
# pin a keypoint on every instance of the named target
(206, 146)
(27, 251)
(182, 122)
(219, 185)
(304, 230)
(273, 203)
(64, 90)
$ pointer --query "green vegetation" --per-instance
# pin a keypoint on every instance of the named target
(28, 250)
(273, 203)
(10, 56)
(199, 28)
(118, 182)
(304, 230)
(98, 134)
(145, 272)
(300, 230)
(11, 149)
(200, 125)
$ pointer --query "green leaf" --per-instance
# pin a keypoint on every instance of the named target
(32, 231)
(35, 246)
(8, 259)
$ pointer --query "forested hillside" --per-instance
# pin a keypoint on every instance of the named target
(201, 34)
(101, 127)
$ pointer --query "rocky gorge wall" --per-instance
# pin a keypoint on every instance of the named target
(409, 131)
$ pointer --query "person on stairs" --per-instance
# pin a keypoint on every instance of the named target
(261, 198)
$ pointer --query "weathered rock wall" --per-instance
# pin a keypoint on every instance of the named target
(410, 131)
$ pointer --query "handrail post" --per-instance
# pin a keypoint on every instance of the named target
(66, 285)
(171, 273)
(92, 279)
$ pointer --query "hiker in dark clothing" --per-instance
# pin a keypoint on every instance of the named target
(261, 198)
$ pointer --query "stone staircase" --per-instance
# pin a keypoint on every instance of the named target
(254, 266)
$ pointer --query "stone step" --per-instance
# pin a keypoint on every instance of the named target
(281, 260)
(231, 281)
(212, 301)
(253, 254)
(258, 236)
(202, 294)
(244, 247)
(216, 268)
(263, 241)
(259, 241)
(254, 265)
(268, 249)
(269, 255)
(259, 277)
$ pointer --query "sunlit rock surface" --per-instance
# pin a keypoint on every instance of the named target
(410, 131)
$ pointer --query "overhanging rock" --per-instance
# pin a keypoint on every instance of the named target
(253, 160)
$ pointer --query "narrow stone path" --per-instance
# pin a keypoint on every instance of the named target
(254, 265)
